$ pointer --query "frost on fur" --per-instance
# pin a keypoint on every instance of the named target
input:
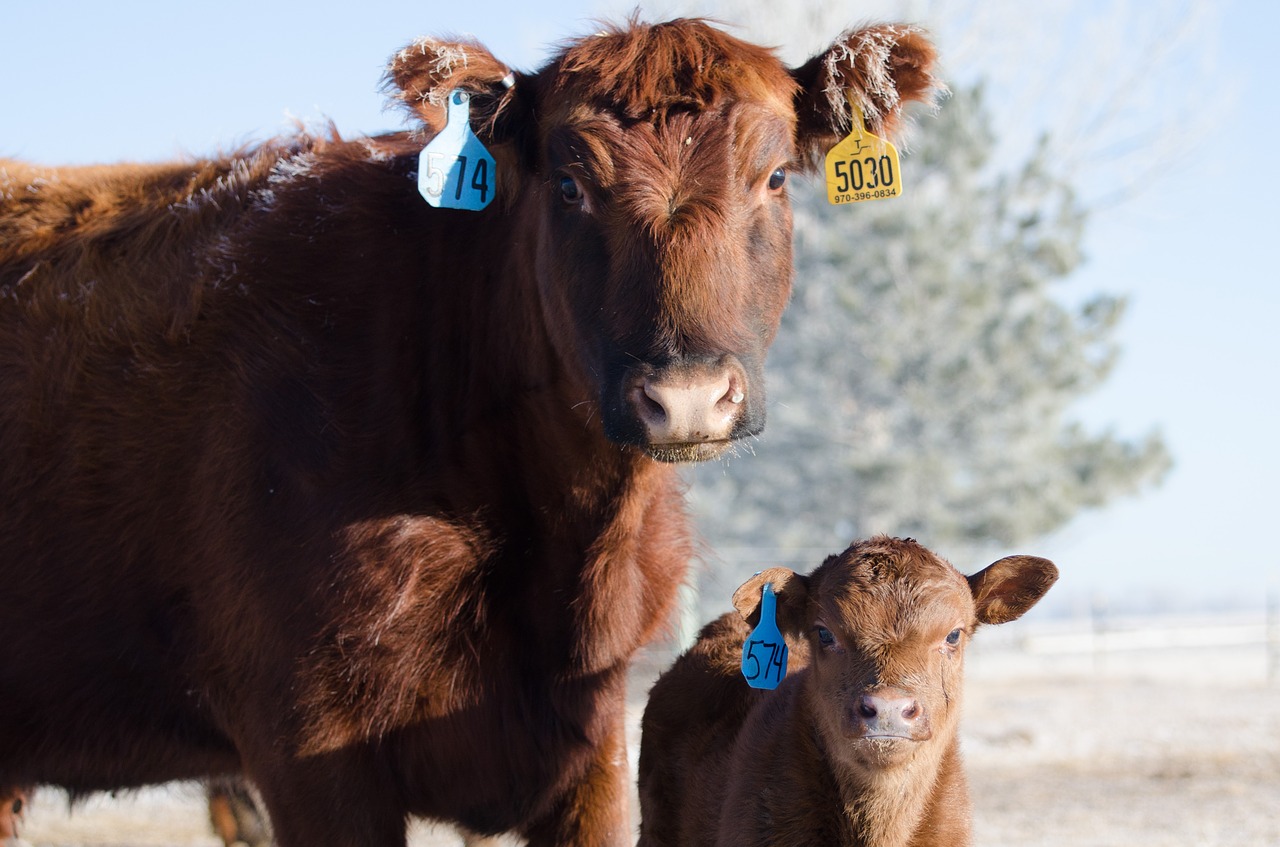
(442, 60)
(420, 77)
(881, 68)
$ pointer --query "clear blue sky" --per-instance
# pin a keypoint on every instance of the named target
(86, 82)
(1201, 348)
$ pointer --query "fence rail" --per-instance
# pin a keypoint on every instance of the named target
(1155, 644)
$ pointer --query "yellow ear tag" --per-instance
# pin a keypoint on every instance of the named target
(862, 166)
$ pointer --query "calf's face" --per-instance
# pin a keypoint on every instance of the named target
(887, 623)
(656, 159)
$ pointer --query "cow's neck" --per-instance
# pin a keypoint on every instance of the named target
(606, 521)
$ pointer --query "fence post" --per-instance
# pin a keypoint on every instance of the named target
(1099, 624)
(1273, 636)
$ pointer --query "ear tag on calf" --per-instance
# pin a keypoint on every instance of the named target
(764, 655)
(862, 166)
(455, 171)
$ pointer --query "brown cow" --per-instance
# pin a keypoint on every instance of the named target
(857, 747)
(306, 478)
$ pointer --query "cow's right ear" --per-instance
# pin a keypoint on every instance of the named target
(881, 67)
(791, 590)
(421, 76)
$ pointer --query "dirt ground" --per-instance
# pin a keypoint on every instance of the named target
(1151, 748)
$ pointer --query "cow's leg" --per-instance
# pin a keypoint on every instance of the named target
(594, 812)
(331, 799)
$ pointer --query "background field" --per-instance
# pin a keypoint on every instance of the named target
(1152, 732)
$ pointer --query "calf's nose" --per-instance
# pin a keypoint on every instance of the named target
(873, 707)
(889, 714)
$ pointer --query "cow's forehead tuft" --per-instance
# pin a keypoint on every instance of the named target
(646, 70)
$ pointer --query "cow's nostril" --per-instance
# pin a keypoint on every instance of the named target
(911, 711)
(867, 708)
(735, 391)
(649, 404)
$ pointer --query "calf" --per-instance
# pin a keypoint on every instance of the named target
(372, 500)
(857, 746)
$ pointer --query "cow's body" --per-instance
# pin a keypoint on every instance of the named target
(159, 516)
(306, 478)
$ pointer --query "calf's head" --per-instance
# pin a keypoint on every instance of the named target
(887, 622)
(655, 160)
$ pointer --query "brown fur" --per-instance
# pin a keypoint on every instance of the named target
(724, 764)
(306, 479)
(13, 805)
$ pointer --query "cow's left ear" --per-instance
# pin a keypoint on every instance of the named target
(421, 76)
(883, 67)
(1005, 590)
(791, 590)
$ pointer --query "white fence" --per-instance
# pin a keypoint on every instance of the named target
(1241, 645)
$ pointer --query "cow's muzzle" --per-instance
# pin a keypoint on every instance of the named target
(689, 412)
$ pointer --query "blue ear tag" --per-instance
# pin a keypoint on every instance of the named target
(764, 655)
(455, 171)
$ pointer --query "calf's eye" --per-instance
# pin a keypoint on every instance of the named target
(825, 638)
(777, 178)
(953, 637)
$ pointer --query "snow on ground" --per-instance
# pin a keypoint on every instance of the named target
(1149, 734)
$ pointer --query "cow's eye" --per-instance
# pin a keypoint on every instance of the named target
(953, 637)
(825, 638)
(570, 192)
(777, 179)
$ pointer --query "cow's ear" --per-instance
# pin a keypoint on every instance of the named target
(882, 67)
(791, 590)
(421, 76)
(1005, 590)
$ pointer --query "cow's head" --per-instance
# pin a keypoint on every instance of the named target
(656, 159)
(887, 623)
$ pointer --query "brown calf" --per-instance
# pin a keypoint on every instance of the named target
(857, 746)
(304, 478)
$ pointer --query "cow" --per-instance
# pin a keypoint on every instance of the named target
(857, 746)
(372, 501)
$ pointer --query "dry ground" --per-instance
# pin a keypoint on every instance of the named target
(1149, 748)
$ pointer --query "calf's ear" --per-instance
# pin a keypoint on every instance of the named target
(791, 590)
(1005, 590)
(421, 76)
(882, 67)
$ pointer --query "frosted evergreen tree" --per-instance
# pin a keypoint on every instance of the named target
(923, 379)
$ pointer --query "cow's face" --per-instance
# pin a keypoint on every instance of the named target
(887, 624)
(656, 163)
(666, 254)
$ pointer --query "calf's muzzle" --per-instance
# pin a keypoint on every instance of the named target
(889, 713)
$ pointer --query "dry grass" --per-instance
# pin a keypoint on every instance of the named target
(1151, 748)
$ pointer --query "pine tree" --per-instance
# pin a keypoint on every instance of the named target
(923, 378)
